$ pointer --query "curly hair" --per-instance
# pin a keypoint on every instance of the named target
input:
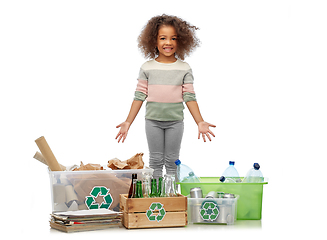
(186, 38)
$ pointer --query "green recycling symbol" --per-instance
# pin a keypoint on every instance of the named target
(96, 192)
(156, 207)
(209, 210)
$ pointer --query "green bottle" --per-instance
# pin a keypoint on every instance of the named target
(139, 193)
(154, 192)
(159, 187)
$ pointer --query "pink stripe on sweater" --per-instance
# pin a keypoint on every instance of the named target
(188, 87)
(142, 86)
(165, 93)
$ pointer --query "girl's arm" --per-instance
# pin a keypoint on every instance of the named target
(202, 125)
(124, 127)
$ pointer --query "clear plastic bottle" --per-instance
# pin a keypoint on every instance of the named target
(231, 172)
(226, 180)
(254, 175)
(191, 178)
(184, 173)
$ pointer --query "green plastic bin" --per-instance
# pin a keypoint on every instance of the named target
(249, 204)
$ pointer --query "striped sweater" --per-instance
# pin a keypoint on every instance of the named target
(165, 86)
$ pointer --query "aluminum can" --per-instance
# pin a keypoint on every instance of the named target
(212, 194)
(225, 214)
(226, 210)
(220, 194)
(229, 195)
(196, 193)
(194, 210)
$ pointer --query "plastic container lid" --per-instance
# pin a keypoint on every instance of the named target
(231, 162)
(256, 166)
(191, 174)
(177, 162)
(222, 179)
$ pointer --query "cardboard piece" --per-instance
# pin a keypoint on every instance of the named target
(38, 156)
(75, 221)
(88, 167)
(84, 183)
(135, 162)
(115, 164)
(48, 154)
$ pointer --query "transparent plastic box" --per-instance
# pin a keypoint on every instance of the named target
(212, 210)
(250, 195)
(82, 190)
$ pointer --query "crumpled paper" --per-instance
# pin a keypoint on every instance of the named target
(135, 162)
(89, 166)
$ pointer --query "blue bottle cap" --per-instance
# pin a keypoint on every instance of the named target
(177, 162)
(231, 162)
(256, 166)
(222, 179)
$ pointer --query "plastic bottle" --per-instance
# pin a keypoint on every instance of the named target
(191, 178)
(184, 173)
(254, 175)
(231, 172)
(226, 180)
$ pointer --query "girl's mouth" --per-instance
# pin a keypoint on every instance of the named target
(168, 49)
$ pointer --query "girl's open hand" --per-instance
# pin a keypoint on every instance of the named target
(205, 131)
(122, 134)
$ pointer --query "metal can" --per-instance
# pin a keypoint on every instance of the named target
(225, 214)
(220, 194)
(229, 195)
(196, 193)
(212, 194)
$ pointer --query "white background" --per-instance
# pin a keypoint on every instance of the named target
(68, 72)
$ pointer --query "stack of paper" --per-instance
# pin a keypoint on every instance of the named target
(85, 220)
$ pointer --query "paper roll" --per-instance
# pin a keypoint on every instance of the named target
(39, 156)
(60, 207)
(59, 193)
(63, 179)
(70, 195)
(48, 154)
(73, 206)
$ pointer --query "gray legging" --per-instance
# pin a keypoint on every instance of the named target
(164, 140)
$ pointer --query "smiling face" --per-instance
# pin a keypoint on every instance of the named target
(166, 44)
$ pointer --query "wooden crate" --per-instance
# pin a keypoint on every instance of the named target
(153, 212)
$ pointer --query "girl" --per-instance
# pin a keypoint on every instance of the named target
(165, 82)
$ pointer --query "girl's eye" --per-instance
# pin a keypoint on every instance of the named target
(162, 38)
(174, 39)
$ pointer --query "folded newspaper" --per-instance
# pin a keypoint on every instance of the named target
(85, 220)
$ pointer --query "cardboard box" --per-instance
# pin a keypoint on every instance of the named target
(153, 212)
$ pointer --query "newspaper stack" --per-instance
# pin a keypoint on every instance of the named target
(85, 220)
